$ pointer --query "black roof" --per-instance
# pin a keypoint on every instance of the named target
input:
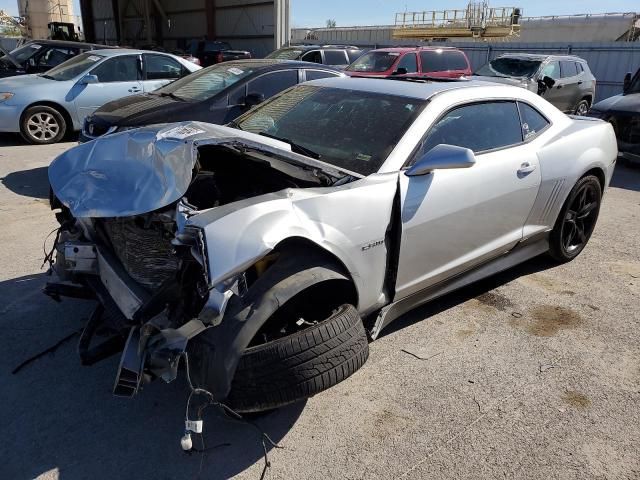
(321, 47)
(273, 64)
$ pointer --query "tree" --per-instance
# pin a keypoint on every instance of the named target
(331, 23)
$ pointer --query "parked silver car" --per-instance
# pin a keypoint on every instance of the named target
(564, 80)
(257, 250)
(43, 107)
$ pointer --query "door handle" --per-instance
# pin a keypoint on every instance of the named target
(526, 168)
(559, 87)
(580, 82)
(134, 89)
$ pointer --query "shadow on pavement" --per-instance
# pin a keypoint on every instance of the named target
(28, 183)
(60, 417)
(474, 290)
(11, 140)
(626, 177)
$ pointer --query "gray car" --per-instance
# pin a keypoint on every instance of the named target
(43, 107)
(564, 80)
(263, 253)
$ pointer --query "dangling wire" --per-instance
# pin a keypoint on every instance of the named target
(48, 257)
(230, 412)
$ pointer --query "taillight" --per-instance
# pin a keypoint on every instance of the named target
(219, 57)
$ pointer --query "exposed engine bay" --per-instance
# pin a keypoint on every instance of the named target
(149, 274)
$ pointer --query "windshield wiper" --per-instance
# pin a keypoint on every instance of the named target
(171, 95)
(294, 146)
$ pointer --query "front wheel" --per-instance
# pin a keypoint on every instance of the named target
(577, 220)
(42, 125)
(300, 365)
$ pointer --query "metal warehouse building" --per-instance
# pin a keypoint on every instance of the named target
(603, 27)
(257, 26)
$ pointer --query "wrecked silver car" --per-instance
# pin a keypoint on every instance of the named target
(267, 251)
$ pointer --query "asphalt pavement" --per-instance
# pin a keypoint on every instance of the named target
(534, 373)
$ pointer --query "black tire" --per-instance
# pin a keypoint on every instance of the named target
(582, 108)
(42, 125)
(300, 365)
(577, 219)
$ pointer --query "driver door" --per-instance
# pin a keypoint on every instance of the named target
(117, 77)
(453, 220)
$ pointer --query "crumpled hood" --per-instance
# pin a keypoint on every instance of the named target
(620, 103)
(138, 171)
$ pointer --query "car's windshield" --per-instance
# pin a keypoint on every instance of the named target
(349, 129)
(285, 54)
(207, 82)
(509, 67)
(374, 62)
(73, 67)
(24, 53)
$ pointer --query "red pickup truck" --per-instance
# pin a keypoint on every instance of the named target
(443, 62)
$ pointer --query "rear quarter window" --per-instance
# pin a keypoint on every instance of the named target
(533, 122)
(434, 61)
(335, 57)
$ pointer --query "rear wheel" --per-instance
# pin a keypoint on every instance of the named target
(42, 125)
(577, 220)
(582, 108)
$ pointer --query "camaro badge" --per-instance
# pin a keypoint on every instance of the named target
(372, 244)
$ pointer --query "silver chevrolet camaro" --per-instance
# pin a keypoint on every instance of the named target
(262, 254)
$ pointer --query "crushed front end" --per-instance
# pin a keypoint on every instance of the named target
(128, 206)
(151, 285)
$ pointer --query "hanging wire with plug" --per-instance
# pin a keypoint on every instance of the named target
(196, 426)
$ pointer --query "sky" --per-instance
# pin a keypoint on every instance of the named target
(315, 13)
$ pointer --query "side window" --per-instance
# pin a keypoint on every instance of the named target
(409, 62)
(118, 69)
(552, 69)
(55, 56)
(532, 121)
(271, 83)
(455, 60)
(479, 127)
(568, 69)
(579, 67)
(317, 74)
(236, 97)
(312, 56)
(335, 57)
(161, 67)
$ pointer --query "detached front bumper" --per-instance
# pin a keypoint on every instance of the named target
(150, 347)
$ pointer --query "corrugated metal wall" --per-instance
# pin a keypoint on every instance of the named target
(257, 26)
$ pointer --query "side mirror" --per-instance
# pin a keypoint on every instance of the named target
(627, 82)
(442, 157)
(253, 99)
(400, 71)
(88, 79)
(547, 81)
